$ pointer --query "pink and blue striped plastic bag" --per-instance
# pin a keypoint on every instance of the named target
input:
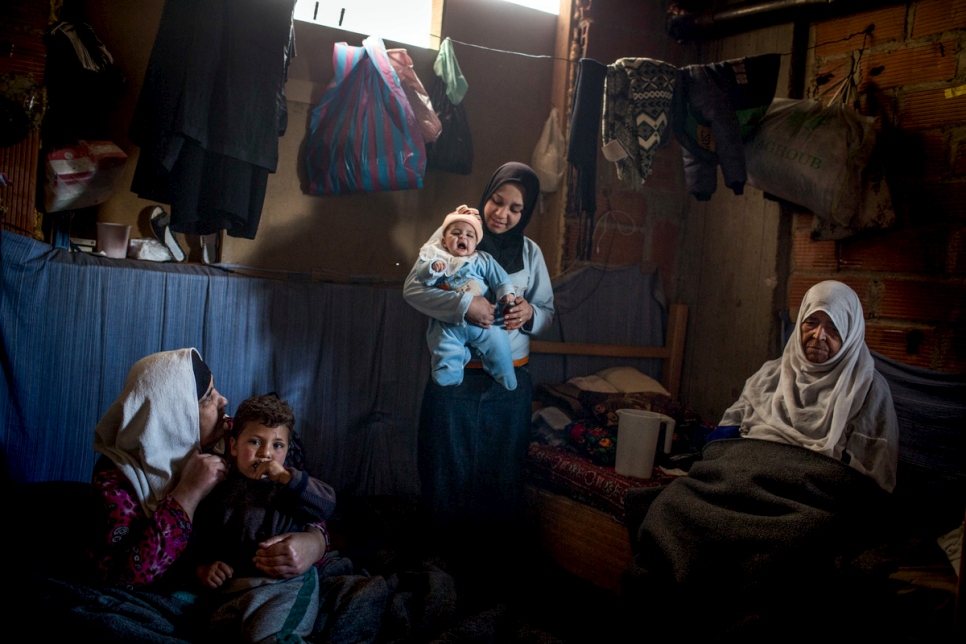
(363, 135)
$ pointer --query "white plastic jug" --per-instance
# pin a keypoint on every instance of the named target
(637, 437)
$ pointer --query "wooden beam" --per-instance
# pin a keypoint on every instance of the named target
(677, 327)
(587, 349)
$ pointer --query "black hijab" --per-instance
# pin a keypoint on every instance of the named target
(507, 248)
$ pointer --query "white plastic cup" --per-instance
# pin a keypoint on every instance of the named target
(112, 239)
(638, 432)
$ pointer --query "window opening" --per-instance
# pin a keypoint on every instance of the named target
(412, 22)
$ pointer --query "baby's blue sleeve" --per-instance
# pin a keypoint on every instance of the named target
(425, 273)
(439, 304)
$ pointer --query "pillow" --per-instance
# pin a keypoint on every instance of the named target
(553, 417)
(593, 383)
(630, 380)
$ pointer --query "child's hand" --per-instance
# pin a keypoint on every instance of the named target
(439, 265)
(214, 575)
(273, 470)
(508, 299)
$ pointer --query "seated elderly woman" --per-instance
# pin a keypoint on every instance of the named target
(824, 393)
(776, 523)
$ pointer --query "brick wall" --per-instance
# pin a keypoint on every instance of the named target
(911, 278)
(635, 227)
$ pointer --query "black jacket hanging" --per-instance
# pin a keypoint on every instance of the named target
(211, 110)
(715, 109)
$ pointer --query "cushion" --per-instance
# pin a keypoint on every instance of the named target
(630, 380)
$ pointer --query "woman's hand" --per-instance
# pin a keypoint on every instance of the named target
(201, 473)
(290, 554)
(480, 312)
(518, 314)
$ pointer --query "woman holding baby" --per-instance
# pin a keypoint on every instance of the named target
(473, 436)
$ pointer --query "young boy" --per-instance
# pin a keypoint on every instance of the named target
(451, 262)
(259, 498)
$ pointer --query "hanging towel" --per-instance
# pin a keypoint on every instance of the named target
(638, 98)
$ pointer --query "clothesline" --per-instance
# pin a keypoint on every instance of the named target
(867, 31)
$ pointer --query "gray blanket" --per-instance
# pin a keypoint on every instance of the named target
(758, 526)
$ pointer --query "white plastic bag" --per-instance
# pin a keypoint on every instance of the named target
(821, 157)
(550, 155)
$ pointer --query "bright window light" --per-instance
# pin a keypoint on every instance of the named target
(548, 6)
(405, 21)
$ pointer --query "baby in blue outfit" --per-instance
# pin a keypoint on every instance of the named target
(452, 262)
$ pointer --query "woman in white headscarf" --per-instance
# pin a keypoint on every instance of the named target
(824, 392)
(156, 441)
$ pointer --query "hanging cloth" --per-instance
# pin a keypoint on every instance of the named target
(210, 112)
(585, 118)
(453, 149)
(447, 68)
(717, 107)
(638, 98)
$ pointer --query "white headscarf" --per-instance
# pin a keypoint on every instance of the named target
(153, 426)
(817, 405)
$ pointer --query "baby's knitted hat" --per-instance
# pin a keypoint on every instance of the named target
(470, 216)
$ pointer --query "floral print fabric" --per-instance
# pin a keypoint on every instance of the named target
(132, 549)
